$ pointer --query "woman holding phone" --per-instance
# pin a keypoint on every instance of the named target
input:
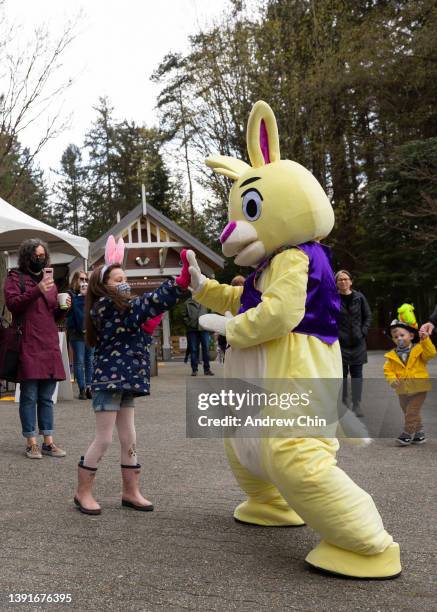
(32, 298)
(82, 354)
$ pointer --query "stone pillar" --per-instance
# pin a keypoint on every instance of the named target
(166, 346)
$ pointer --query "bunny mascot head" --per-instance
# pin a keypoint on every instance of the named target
(283, 325)
(273, 202)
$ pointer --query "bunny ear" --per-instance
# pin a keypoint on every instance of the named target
(262, 136)
(110, 250)
(228, 166)
(120, 251)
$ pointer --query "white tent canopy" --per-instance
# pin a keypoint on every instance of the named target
(16, 226)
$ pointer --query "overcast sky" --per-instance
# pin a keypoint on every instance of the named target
(118, 46)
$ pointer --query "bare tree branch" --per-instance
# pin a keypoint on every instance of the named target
(31, 87)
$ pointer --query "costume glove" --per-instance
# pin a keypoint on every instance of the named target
(215, 323)
(197, 278)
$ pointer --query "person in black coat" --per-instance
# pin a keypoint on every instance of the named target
(354, 322)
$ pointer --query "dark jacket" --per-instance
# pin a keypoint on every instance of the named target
(433, 317)
(121, 358)
(355, 320)
(40, 356)
(76, 317)
(193, 310)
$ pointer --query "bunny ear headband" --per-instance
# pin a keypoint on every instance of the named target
(114, 254)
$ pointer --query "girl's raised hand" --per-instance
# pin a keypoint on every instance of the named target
(183, 280)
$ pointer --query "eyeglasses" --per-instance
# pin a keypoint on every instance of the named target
(83, 278)
(40, 257)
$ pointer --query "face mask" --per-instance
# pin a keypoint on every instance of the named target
(401, 343)
(123, 288)
(37, 265)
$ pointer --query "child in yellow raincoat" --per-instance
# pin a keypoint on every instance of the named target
(405, 370)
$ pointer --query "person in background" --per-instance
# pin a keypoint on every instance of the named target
(196, 337)
(82, 354)
(237, 281)
(406, 372)
(354, 322)
(31, 296)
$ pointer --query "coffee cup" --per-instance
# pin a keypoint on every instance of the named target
(62, 300)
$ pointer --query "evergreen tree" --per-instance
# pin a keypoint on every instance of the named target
(122, 157)
(70, 190)
(99, 144)
(22, 183)
(137, 161)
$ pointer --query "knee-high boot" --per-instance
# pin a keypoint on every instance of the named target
(84, 499)
(131, 496)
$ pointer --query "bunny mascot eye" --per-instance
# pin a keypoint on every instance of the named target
(252, 204)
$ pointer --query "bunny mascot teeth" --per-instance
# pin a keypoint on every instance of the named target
(283, 324)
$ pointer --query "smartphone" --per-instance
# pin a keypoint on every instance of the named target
(48, 272)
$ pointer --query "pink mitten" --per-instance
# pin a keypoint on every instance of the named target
(150, 325)
(183, 280)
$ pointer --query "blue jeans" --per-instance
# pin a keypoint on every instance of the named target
(36, 399)
(83, 363)
(356, 372)
(195, 338)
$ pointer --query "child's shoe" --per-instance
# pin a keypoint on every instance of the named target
(419, 437)
(404, 439)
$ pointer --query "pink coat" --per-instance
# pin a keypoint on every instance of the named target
(40, 356)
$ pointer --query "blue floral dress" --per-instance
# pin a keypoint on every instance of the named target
(121, 358)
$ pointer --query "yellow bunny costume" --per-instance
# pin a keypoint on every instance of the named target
(287, 329)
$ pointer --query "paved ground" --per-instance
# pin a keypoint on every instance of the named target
(190, 554)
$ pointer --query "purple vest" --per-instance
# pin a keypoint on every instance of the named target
(322, 306)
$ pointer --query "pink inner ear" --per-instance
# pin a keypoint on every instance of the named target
(264, 141)
(120, 251)
(110, 250)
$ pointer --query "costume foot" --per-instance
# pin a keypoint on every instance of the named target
(329, 558)
(267, 515)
